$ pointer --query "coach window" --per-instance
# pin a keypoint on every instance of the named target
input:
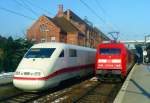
(72, 53)
(40, 53)
(61, 54)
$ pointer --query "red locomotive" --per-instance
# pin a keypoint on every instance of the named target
(113, 59)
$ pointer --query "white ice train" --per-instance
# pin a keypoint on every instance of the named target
(46, 65)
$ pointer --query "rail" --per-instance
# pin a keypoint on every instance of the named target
(82, 92)
(91, 91)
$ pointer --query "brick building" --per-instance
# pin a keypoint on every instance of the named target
(65, 27)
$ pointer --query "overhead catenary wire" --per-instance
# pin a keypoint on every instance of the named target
(26, 6)
(95, 13)
(16, 13)
(115, 33)
(100, 18)
(30, 3)
(105, 13)
(101, 8)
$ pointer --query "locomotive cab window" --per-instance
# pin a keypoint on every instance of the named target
(61, 54)
(40, 53)
(110, 51)
(72, 53)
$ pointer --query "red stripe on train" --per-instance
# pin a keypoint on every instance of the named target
(62, 71)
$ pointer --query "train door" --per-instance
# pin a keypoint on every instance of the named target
(72, 61)
(83, 58)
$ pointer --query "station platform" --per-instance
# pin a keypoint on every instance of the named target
(6, 78)
(136, 88)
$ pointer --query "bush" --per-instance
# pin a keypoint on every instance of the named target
(11, 52)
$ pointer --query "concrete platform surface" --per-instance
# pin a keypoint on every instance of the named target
(6, 78)
(136, 88)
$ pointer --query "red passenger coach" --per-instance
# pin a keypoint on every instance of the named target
(113, 59)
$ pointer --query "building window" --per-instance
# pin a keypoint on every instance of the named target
(43, 40)
(53, 39)
(43, 28)
(44, 32)
(72, 53)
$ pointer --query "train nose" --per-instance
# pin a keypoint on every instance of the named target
(29, 81)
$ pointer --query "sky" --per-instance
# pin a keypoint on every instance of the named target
(131, 18)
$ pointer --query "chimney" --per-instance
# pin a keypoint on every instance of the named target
(60, 10)
(68, 14)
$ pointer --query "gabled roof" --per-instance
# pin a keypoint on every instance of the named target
(75, 17)
(63, 23)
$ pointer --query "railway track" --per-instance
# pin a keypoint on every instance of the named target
(8, 90)
(88, 91)
(70, 94)
(18, 96)
(25, 97)
(102, 93)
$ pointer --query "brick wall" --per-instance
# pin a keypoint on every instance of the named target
(72, 38)
(63, 38)
(91, 35)
(43, 28)
(81, 40)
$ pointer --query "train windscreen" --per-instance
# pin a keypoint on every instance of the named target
(110, 51)
(40, 53)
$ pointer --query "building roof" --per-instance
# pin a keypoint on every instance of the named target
(74, 16)
(63, 23)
